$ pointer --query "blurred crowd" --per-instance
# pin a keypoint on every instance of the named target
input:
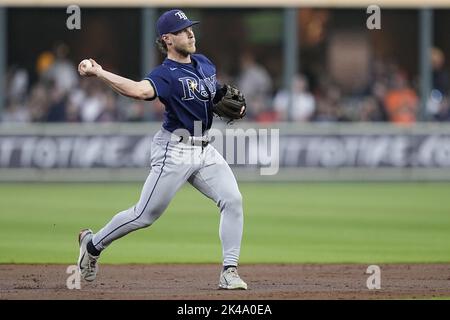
(60, 95)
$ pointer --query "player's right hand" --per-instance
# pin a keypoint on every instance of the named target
(89, 71)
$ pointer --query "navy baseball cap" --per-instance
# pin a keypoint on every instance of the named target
(173, 21)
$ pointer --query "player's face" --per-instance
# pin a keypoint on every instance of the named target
(184, 41)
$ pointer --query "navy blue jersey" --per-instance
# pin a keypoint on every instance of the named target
(187, 91)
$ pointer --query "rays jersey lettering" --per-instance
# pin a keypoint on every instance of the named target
(198, 88)
(187, 91)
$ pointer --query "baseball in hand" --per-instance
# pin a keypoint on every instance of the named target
(86, 64)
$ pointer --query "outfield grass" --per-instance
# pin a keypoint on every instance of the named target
(284, 223)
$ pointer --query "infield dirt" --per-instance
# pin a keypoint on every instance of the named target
(266, 282)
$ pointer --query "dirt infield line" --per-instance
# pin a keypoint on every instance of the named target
(199, 282)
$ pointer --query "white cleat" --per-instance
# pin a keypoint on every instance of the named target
(230, 280)
(87, 263)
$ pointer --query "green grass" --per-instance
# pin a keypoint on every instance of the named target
(284, 223)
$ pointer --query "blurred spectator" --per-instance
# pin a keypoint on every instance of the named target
(223, 77)
(110, 112)
(443, 113)
(370, 110)
(72, 112)
(57, 104)
(15, 112)
(38, 103)
(75, 100)
(136, 111)
(437, 104)
(303, 102)
(93, 105)
(44, 61)
(401, 101)
(328, 102)
(255, 83)
(62, 71)
(157, 110)
(379, 90)
(17, 84)
(440, 76)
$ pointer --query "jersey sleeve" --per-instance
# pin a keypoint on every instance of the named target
(160, 81)
(219, 93)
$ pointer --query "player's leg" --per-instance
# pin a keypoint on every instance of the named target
(166, 177)
(160, 187)
(216, 180)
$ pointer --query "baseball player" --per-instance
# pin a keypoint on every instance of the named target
(186, 84)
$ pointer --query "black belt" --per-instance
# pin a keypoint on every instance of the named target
(194, 141)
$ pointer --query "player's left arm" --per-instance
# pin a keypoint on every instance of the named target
(219, 93)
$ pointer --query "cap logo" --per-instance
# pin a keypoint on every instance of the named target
(181, 15)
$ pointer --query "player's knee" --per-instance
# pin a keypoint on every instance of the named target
(237, 199)
(147, 216)
(234, 202)
(149, 219)
(146, 223)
